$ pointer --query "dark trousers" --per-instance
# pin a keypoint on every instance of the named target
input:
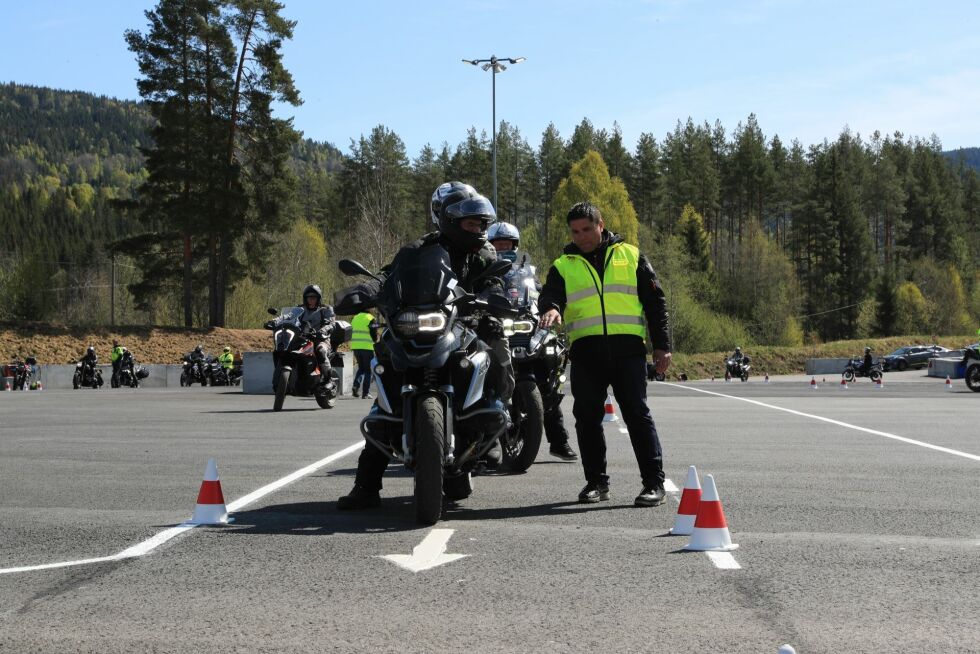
(554, 425)
(363, 376)
(627, 375)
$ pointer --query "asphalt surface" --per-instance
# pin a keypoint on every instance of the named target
(850, 541)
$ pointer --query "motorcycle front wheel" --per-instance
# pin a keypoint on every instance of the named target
(429, 438)
(75, 381)
(282, 385)
(183, 379)
(520, 445)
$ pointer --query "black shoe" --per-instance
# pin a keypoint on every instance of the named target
(359, 498)
(355, 393)
(594, 492)
(563, 451)
(651, 496)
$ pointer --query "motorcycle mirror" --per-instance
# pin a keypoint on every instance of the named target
(272, 312)
(351, 268)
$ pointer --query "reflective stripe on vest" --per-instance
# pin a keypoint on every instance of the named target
(361, 332)
(606, 308)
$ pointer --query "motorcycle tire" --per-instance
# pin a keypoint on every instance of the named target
(875, 375)
(325, 400)
(745, 377)
(183, 379)
(848, 376)
(972, 377)
(75, 381)
(282, 385)
(429, 439)
(520, 445)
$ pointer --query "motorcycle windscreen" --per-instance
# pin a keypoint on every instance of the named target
(419, 277)
(521, 286)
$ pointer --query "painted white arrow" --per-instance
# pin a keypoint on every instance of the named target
(431, 552)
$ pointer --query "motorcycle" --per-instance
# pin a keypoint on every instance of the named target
(971, 364)
(433, 350)
(215, 372)
(539, 360)
(23, 374)
(297, 371)
(86, 375)
(194, 371)
(855, 368)
(130, 373)
(221, 376)
(738, 369)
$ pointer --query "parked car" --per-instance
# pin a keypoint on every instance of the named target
(912, 356)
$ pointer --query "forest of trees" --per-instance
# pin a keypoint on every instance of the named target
(757, 240)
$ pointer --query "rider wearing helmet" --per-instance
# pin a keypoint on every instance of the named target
(462, 217)
(321, 319)
(868, 361)
(90, 359)
(505, 239)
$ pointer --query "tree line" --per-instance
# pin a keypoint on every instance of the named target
(214, 208)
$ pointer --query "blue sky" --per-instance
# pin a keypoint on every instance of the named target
(806, 69)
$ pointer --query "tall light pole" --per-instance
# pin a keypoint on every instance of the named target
(496, 65)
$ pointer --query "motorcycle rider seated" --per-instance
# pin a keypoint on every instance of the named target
(198, 358)
(463, 217)
(868, 361)
(90, 360)
(505, 239)
(321, 319)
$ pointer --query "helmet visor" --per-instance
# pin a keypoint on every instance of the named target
(472, 208)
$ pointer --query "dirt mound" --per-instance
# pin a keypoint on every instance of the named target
(52, 344)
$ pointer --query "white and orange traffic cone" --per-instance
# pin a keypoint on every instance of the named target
(710, 528)
(687, 512)
(880, 384)
(40, 387)
(813, 383)
(210, 509)
(6, 385)
(610, 411)
(843, 384)
(949, 383)
(766, 378)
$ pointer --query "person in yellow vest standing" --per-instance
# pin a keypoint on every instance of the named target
(115, 356)
(605, 290)
(364, 335)
(227, 359)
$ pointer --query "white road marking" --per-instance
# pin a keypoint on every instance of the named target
(159, 539)
(910, 441)
(724, 560)
(670, 487)
(430, 553)
(624, 430)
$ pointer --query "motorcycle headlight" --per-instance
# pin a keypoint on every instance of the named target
(410, 323)
(512, 327)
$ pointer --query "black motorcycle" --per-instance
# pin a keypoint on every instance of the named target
(221, 376)
(855, 368)
(195, 371)
(23, 374)
(971, 365)
(130, 373)
(86, 376)
(539, 357)
(297, 371)
(434, 405)
(738, 369)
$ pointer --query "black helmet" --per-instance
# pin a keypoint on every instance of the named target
(440, 193)
(504, 231)
(199, 348)
(314, 290)
(459, 204)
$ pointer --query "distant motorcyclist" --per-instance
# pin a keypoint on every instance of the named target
(505, 239)
(90, 359)
(227, 359)
(463, 217)
(868, 361)
(737, 355)
(321, 319)
(116, 358)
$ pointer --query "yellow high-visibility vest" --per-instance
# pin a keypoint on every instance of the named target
(361, 332)
(602, 307)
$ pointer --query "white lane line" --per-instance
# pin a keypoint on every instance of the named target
(624, 430)
(670, 487)
(159, 539)
(724, 560)
(910, 441)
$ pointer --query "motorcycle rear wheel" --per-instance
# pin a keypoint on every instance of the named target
(972, 378)
(875, 375)
(282, 385)
(520, 445)
(848, 375)
(429, 439)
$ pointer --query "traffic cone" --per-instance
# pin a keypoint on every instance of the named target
(710, 528)
(610, 411)
(813, 383)
(949, 383)
(40, 387)
(843, 384)
(6, 385)
(210, 509)
(880, 384)
(687, 512)
(766, 379)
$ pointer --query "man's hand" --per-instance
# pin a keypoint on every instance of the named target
(550, 317)
(661, 359)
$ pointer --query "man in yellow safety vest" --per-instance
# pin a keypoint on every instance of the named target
(606, 290)
(364, 335)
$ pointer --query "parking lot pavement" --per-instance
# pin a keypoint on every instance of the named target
(849, 540)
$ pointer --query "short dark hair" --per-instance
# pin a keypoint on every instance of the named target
(584, 210)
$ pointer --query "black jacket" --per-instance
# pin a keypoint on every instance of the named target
(651, 296)
(467, 266)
